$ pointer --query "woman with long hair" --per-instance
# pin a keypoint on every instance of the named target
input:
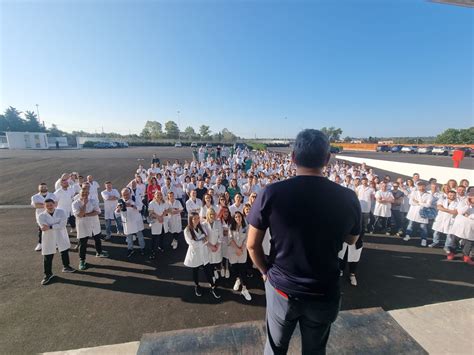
(237, 254)
(224, 217)
(221, 202)
(158, 212)
(233, 188)
(207, 203)
(213, 228)
(197, 255)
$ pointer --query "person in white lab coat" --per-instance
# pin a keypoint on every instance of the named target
(207, 204)
(237, 206)
(65, 196)
(52, 222)
(418, 199)
(447, 211)
(88, 225)
(37, 202)
(94, 187)
(158, 213)
(111, 197)
(366, 194)
(197, 255)
(175, 226)
(193, 204)
(237, 254)
(463, 229)
(132, 220)
(226, 220)
(383, 208)
(213, 229)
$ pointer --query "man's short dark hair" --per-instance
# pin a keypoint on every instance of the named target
(311, 148)
(48, 200)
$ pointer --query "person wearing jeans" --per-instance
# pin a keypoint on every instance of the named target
(447, 211)
(110, 197)
(132, 220)
(309, 217)
(284, 312)
(419, 199)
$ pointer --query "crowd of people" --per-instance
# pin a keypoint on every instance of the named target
(214, 193)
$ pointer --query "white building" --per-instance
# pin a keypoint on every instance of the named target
(27, 140)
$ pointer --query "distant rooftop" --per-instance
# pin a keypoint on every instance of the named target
(467, 3)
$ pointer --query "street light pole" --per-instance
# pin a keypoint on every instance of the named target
(179, 130)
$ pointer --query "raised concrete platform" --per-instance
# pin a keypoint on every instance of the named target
(116, 349)
(365, 331)
(442, 328)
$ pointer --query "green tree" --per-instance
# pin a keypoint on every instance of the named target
(189, 132)
(32, 124)
(204, 131)
(13, 120)
(3, 124)
(152, 129)
(172, 129)
(333, 133)
(228, 136)
(456, 136)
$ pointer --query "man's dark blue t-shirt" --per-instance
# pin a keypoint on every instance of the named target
(308, 217)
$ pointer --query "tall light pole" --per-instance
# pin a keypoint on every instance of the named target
(179, 131)
(38, 114)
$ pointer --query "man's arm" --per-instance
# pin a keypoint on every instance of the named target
(255, 248)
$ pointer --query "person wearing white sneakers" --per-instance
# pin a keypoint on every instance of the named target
(175, 227)
(226, 220)
(37, 202)
(463, 229)
(213, 229)
(197, 255)
(237, 253)
(419, 199)
(52, 223)
(447, 211)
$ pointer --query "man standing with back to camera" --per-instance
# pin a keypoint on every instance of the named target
(309, 218)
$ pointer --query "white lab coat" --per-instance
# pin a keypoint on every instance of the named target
(57, 237)
(365, 197)
(39, 198)
(353, 255)
(214, 235)
(158, 228)
(198, 252)
(240, 238)
(444, 221)
(110, 205)
(233, 208)
(463, 227)
(383, 209)
(86, 226)
(65, 199)
(174, 221)
(266, 243)
(424, 200)
(131, 219)
(204, 209)
(193, 206)
(94, 190)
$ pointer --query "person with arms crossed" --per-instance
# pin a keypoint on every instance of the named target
(52, 222)
(302, 272)
(110, 197)
(37, 202)
(87, 213)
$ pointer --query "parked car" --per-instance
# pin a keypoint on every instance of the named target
(178, 145)
(383, 148)
(208, 145)
(467, 151)
(104, 145)
(425, 150)
(194, 145)
(440, 151)
(411, 149)
(335, 150)
(396, 148)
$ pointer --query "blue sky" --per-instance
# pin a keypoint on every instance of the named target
(380, 67)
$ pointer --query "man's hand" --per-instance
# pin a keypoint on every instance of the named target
(45, 227)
